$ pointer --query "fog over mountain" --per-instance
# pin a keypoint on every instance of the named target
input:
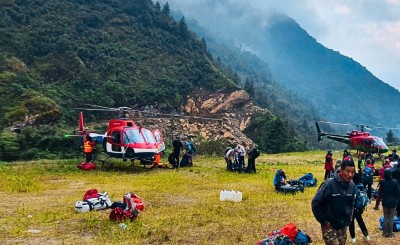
(367, 31)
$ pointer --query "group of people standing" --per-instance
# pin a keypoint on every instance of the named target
(334, 202)
(235, 158)
(189, 150)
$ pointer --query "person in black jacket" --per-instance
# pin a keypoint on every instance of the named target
(176, 149)
(390, 191)
(333, 204)
(251, 162)
(396, 176)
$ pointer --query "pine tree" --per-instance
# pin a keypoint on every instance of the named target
(249, 87)
(390, 139)
(166, 9)
(183, 28)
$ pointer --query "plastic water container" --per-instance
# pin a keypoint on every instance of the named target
(233, 196)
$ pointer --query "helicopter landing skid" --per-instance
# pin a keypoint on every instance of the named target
(106, 164)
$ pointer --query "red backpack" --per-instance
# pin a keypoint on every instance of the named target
(133, 201)
(290, 230)
(87, 166)
(93, 193)
(120, 215)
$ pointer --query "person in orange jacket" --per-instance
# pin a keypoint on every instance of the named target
(88, 144)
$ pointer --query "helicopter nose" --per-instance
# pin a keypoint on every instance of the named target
(383, 149)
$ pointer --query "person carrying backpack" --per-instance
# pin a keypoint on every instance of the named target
(361, 203)
(252, 154)
(333, 204)
(190, 150)
(367, 177)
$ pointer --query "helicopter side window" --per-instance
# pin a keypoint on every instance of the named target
(149, 136)
(368, 142)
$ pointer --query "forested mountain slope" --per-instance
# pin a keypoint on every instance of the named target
(339, 87)
(255, 76)
(58, 54)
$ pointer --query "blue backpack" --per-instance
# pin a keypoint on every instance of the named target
(361, 197)
(191, 149)
(302, 238)
(367, 177)
(308, 180)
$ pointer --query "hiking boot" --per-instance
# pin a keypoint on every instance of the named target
(353, 240)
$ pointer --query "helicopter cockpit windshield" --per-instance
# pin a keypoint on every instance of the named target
(149, 136)
(132, 136)
(379, 142)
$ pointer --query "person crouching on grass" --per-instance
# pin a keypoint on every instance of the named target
(333, 204)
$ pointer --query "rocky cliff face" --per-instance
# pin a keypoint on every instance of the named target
(218, 117)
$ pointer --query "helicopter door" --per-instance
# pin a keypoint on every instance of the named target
(159, 140)
(369, 144)
(116, 141)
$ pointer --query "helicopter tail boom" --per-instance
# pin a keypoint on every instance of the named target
(336, 137)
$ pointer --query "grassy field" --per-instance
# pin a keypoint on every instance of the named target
(181, 206)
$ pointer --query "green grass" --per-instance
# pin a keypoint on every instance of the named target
(181, 206)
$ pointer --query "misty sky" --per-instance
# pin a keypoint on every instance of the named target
(366, 30)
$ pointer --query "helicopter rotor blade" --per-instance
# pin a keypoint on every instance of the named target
(344, 124)
(103, 107)
(93, 109)
(176, 115)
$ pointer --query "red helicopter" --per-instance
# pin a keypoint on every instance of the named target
(126, 140)
(358, 140)
(123, 138)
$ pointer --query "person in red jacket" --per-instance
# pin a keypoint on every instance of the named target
(88, 144)
(328, 165)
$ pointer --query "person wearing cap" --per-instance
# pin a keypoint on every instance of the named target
(280, 179)
(176, 149)
(328, 165)
(334, 202)
(390, 191)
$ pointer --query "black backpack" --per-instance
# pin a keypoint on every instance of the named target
(256, 153)
(282, 240)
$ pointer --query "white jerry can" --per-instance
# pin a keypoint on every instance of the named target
(233, 196)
